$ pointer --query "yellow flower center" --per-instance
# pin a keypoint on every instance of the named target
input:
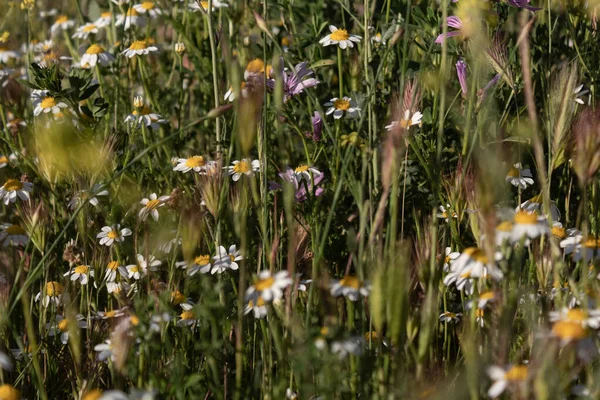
(113, 265)
(48, 102)
(255, 66)
(559, 232)
(339, 35)
(302, 168)
(489, 295)
(204, 5)
(147, 5)
(479, 312)
(285, 41)
(505, 226)
(3, 160)
(89, 28)
(405, 123)
(110, 314)
(81, 269)
(15, 230)
(259, 303)
(195, 161)
(202, 260)
(576, 315)
(138, 44)
(525, 218)
(372, 336)
(61, 19)
(135, 321)
(94, 49)
(264, 284)
(341, 104)
(106, 14)
(54, 289)
(449, 314)
(177, 297)
(132, 13)
(145, 110)
(186, 315)
(447, 259)
(324, 331)
(63, 325)
(513, 172)
(242, 167)
(93, 394)
(517, 373)
(113, 234)
(7, 392)
(351, 282)
(592, 243)
(135, 269)
(231, 257)
(152, 204)
(569, 330)
(476, 254)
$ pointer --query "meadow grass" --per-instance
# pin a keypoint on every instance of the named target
(299, 199)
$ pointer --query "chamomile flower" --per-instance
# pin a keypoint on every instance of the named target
(587, 249)
(14, 188)
(53, 294)
(559, 231)
(503, 232)
(226, 259)
(139, 48)
(587, 318)
(579, 92)
(231, 96)
(104, 315)
(378, 40)
(9, 392)
(62, 23)
(449, 257)
(140, 269)
(305, 172)
(243, 167)
(131, 18)
(111, 234)
(148, 7)
(105, 351)
(7, 55)
(527, 225)
(202, 5)
(85, 30)
(48, 104)
(569, 331)
(472, 264)
(446, 212)
(80, 273)
(89, 196)
(483, 299)
(350, 287)
(104, 20)
(200, 264)
(3, 161)
(338, 107)
(13, 235)
(340, 37)
(511, 376)
(519, 177)
(187, 319)
(269, 287)
(198, 164)
(60, 326)
(179, 299)
(96, 54)
(407, 120)
(111, 271)
(144, 115)
(535, 204)
(450, 317)
(258, 306)
(151, 206)
(44, 46)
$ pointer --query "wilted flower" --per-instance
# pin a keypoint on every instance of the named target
(293, 82)
(452, 22)
(461, 72)
(317, 127)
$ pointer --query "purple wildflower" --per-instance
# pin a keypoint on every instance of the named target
(317, 127)
(461, 71)
(452, 22)
(300, 186)
(522, 4)
(294, 82)
(482, 92)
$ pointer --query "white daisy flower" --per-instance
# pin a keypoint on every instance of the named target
(104, 315)
(96, 54)
(503, 233)
(353, 345)
(4, 161)
(151, 206)
(579, 92)
(341, 37)
(230, 94)
(13, 235)
(350, 287)
(535, 204)
(200, 264)
(14, 188)
(148, 7)
(111, 234)
(450, 317)
(139, 270)
(225, 259)
(449, 257)
(62, 23)
(269, 287)
(473, 263)
(60, 326)
(587, 318)
(483, 299)
(502, 378)
(43, 47)
(187, 319)
(307, 173)
(144, 115)
(527, 225)
(198, 164)
(338, 107)
(131, 18)
(85, 30)
(81, 273)
(7, 55)
(559, 232)
(104, 20)
(53, 294)
(105, 351)
(89, 196)
(111, 271)
(179, 299)
(587, 249)
(257, 306)
(446, 212)
(243, 167)
(407, 121)
(519, 177)
(197, 5)
(48, 104)
(139, 48)
(378, 40)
